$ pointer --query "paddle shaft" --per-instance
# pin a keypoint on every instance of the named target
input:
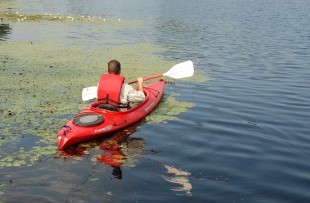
(148, 78)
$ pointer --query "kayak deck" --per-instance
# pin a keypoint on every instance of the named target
(94, 122)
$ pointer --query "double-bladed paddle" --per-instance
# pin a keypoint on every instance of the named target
(178, 71)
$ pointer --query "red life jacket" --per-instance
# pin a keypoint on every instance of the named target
(109, 88)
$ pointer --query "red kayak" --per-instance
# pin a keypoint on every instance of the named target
(97, 120)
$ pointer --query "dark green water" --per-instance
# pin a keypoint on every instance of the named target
(236, 132)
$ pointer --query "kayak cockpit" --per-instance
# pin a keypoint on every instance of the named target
(102, 105)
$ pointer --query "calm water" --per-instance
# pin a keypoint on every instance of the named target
(246, 139)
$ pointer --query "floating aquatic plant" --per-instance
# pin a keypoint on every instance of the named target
(49, 17)
(43, 82)
(26, 157)
(168, 109)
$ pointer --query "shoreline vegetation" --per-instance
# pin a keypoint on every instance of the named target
(18, 17)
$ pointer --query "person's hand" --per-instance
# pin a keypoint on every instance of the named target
(140, 84)
(140, 80)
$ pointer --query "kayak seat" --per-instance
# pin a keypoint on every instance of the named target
(109, 104)
(109, 107)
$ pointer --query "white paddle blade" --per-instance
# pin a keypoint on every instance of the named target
(181, 70)
(89, 93)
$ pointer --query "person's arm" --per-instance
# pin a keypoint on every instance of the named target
(140, 84)
(136, 96)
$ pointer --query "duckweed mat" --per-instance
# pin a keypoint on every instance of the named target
(42, 80)
(49, 17)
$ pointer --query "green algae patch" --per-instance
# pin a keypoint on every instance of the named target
(198, 77)
(168, 109)
(42, 84)
(26, 157)
(42, 79)
(10, 17)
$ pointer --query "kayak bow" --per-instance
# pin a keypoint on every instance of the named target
(94, 121)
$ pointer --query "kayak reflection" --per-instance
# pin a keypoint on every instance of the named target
(123, 153)
(116, 150)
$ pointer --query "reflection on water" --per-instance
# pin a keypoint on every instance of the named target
(245, 139)
(117, 150)
(179, 177)
(5, 30)
(121, 153)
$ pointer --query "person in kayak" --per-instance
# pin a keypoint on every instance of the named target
(112, 86)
